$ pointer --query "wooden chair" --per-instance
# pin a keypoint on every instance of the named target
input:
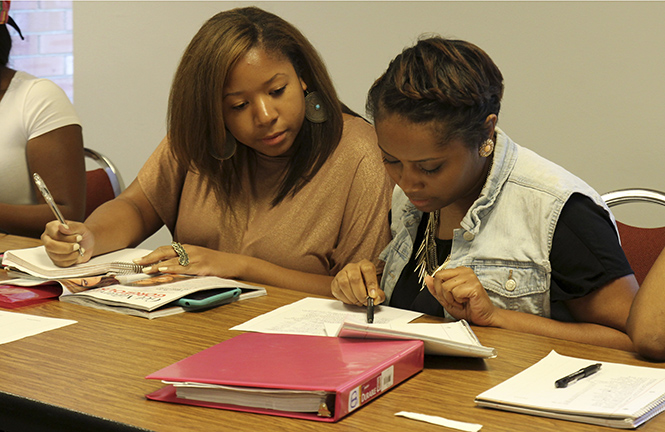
(641, 245)
(103, 183)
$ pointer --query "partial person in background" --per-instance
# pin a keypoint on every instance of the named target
(646, 323)
(39, 132)
(484, 229)
(264, 175)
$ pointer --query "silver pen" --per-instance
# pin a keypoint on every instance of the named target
(49, 200)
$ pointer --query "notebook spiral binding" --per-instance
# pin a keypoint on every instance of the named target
(125, 268)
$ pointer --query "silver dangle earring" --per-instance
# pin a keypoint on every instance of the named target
(314, 109)
(230, 146)
(486, 148)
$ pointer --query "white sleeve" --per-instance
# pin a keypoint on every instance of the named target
(47, 108)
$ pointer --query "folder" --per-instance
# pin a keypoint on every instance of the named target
(275, 373)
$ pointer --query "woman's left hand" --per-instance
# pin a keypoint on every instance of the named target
(461, 294)
(202, 262)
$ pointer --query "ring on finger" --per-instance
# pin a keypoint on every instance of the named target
(183, 258)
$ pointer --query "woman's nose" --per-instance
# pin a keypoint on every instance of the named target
(265, 112)
(409, 180)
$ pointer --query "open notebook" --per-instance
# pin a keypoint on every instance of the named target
(35, 262)
(449, 339)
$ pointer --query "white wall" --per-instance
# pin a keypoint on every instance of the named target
(584, 80)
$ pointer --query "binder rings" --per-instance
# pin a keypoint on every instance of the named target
(274, 373)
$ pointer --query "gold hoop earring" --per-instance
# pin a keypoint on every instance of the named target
(315, 111)
(230, 145)
(486, 148)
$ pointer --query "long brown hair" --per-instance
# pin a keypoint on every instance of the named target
(196, 128)
(451, 82)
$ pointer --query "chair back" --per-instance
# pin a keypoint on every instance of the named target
(641, 245)
(103, 183)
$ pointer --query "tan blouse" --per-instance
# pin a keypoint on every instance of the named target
(339, 217)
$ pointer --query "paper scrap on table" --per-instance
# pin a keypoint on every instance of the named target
(467, 427)
(15, 326)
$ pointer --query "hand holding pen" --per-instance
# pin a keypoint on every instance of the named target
(54, 208)
(356, 284)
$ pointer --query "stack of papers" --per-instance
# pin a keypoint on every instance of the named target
(618, 395)
(310, 316)
(325, 317)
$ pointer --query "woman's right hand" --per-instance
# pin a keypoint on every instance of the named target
(63, 242)
(355, 282)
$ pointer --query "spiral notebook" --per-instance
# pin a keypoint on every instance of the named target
(35, 262)
(618, 395)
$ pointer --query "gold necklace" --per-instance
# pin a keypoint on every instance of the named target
(426, 257)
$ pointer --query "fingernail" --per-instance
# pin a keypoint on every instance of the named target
(82, 249)
(77, 246)
(137, 260)
(147, 269)
(161, 269)
(66, 226)
(79, 238)
(372, 293)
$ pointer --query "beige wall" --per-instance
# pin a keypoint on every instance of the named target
(584, 80)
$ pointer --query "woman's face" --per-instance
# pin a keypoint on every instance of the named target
(264, 102)
(432, 175)
(88, 281)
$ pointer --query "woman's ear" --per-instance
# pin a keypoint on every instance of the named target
(303, 84)
(490, 124)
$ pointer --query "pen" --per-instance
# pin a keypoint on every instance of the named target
(370, 310)
(575, 376)
(49, 200)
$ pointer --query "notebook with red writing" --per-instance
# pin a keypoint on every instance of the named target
(309, 377)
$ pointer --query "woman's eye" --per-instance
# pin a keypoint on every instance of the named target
(239, 106)
(279, 91)
(430, 171)
(389, 162)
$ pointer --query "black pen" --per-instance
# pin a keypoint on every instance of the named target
(573, 377)
(370, 310)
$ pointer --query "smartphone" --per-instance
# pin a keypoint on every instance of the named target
(209, 298)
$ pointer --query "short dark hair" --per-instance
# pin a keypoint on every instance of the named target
(452, 82)
(196, 125)
(5, 45)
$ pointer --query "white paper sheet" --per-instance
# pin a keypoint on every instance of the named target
(15, 326)
(452, 424)
(309, 316)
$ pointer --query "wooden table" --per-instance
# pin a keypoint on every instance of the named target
(90, 376)
(8, 241)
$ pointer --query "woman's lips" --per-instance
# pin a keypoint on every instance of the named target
(419, 202)
(274, 139)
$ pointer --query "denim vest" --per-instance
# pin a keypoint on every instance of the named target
(506, 235)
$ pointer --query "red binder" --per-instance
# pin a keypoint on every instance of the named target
(354, 371)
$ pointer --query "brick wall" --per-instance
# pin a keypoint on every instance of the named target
(47, 51)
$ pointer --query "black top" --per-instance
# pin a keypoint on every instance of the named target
(585, 255)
